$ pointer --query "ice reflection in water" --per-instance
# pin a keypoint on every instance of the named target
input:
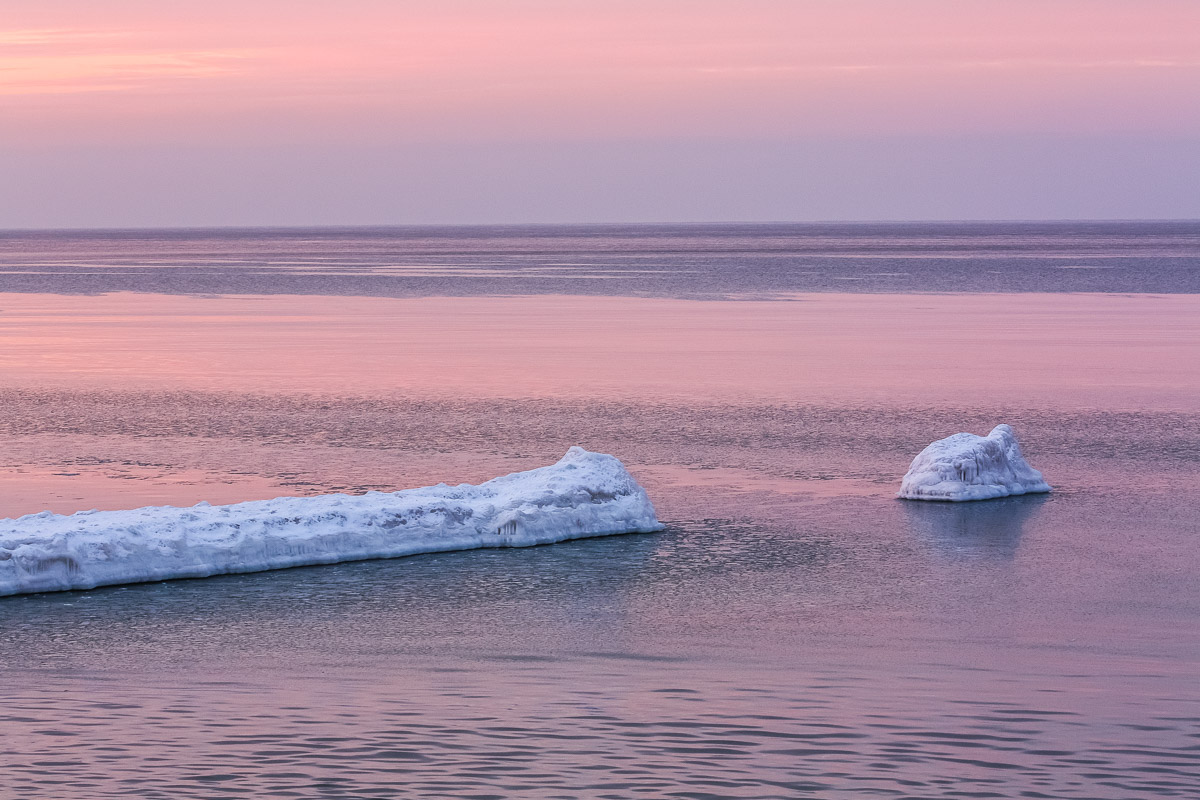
(984, 529)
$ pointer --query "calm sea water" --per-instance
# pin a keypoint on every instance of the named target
(659, 261)
(796, 632)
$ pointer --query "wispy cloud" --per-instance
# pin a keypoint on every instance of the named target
(33, 37)
(63, 61)
(949, 65)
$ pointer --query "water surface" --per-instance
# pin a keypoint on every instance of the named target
(795, 632)
(641, 260)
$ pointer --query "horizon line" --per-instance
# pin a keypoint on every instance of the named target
(600, 224)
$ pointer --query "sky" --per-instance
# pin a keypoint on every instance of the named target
(297, 112)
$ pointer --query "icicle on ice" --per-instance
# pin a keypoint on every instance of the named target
(584, 494)
(969, 467)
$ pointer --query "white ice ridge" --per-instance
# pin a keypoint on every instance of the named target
(584, 494)
(969, 467)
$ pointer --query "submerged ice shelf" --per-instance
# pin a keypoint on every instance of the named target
(584, 494)
(969, 467)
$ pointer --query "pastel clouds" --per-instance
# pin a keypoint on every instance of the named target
(66, 62)
(280, 111)
(423, 70)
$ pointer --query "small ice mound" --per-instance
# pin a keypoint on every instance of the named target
(969, 467)
(584, 494)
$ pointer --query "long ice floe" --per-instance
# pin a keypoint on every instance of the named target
(969, 467)
(584, 494)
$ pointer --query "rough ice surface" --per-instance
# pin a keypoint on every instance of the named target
(969, 467)
(584, 494)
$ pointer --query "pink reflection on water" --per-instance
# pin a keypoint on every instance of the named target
(1136, 352)
(65, 490)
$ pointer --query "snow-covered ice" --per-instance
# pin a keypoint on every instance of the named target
(584, 494)
(969, 467)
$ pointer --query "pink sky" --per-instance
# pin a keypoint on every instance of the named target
(324, 75)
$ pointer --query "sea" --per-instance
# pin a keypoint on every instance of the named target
(796, 631)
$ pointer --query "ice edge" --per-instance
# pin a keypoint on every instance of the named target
(966, 467)
(583, 495)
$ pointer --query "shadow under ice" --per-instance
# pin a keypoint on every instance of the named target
(976, 531)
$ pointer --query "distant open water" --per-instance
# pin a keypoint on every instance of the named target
(663, 261)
